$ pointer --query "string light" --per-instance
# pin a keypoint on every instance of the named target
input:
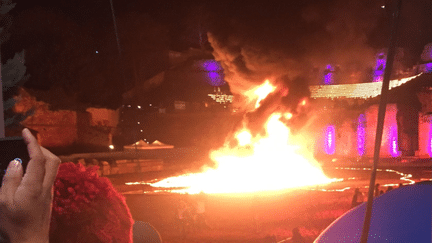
(221, 98)
(363, 90)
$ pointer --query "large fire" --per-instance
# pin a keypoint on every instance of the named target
(257, 163)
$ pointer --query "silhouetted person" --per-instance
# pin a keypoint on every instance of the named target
(297, 237)
(400, 185)
(357, 198)
(389, 188)
(184, 217)
(377, 191)
(200, 211)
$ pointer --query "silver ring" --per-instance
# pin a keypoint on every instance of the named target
(18, 159)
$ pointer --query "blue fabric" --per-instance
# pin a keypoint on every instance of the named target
(144, 232)
(401, 215)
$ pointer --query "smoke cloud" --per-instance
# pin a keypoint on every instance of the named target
(292, 43)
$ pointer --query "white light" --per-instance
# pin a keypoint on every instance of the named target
(150, 105)
(139, 107)
(141, 130)
(97, 52)
(383, 6)
(138, 122)
(111, 146)
(129, 105)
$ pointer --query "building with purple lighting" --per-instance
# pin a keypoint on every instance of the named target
(348, 118)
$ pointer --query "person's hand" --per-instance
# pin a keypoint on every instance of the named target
(25, 202)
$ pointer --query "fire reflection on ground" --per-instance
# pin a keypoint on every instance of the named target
(346, 179)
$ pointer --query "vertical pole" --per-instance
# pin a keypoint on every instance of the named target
(115, 27)
(381, 116)
(2, 118)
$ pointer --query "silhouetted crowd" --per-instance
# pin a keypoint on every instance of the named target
(358, 199)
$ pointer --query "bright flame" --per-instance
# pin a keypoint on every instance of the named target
(260, 92)
(267, 163)
(303, 102)
(244, 138)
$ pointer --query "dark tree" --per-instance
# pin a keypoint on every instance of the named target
(12, 74)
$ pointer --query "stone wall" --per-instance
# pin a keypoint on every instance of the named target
(64, 128)
(55, 128)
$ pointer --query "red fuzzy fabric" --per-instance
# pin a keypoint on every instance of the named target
(87, 208)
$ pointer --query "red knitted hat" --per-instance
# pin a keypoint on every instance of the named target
(87, 208)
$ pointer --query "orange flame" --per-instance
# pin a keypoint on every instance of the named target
(260, 92)
(267, 162)
(256, 164)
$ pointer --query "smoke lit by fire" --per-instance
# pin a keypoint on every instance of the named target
(258, 162)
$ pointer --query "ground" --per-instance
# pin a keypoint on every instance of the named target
(262, 217)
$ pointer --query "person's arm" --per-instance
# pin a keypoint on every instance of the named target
(25, 201)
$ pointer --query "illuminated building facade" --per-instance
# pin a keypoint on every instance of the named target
(349, 113)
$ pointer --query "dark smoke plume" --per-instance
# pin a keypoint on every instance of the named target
(294, 42)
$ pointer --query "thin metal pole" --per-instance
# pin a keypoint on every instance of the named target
(2, 116)
(381, 116)
(115, 27)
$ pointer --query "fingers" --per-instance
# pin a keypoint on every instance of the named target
(51, 167)
(11, 180)
(36, 167)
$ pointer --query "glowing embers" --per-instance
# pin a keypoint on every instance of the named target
(258, 163)
(393, 141)
(361, 134)
(329, 142)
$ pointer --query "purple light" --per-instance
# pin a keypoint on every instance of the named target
(330, 140)
(429, 144)
(216, 79)
(428, 67)
(380, 67)
(361, 134)
(393, 140)
(212, 66)
(329, 75)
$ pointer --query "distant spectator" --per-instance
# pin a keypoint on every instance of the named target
(201, 220)
(297, 237)
(400, 185)
(87, 208)
(184, 217)
(357, 198)
(377, 190)
(389, 188)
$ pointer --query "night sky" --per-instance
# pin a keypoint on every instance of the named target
(253, 40)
